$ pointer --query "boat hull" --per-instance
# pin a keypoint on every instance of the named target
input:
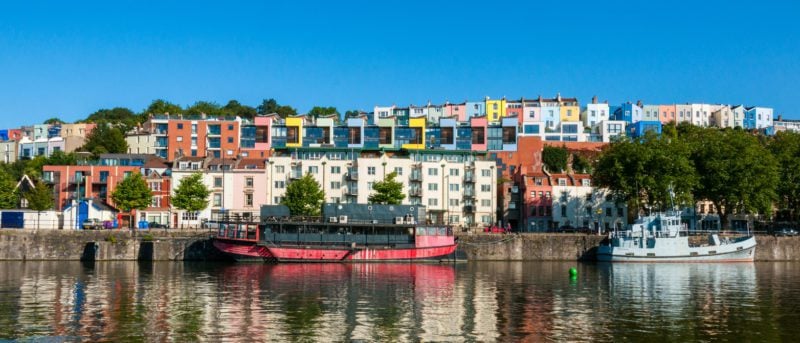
(743, 251)
(248, 251)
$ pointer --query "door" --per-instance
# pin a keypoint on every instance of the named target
(83, 213)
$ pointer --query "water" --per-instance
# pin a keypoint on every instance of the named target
(477, 301)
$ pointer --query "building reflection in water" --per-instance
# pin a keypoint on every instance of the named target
(483, 301)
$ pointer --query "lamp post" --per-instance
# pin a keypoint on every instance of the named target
(271, 175)
(323, 179)
(445, 220)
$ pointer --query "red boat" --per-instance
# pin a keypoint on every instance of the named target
(341, 238)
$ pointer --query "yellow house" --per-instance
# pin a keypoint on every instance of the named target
(294, 132)
(495, 109)
(418, 125)
(570, 111)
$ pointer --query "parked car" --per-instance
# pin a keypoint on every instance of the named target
(154, 225)
(786, 232)
(92, 224)
(567, 229)
(495, 229)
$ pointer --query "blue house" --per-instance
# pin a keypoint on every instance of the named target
(638, 129)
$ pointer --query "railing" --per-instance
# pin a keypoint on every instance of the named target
(469, 193)
(469, 209)
(352, 176)
(415, 192)
(415, 177)
(351, 191)
(469, 178)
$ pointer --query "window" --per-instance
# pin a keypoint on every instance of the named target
(454, 219)
(276, 200)
(454, 187)
(385, 135)
(217, 200)
(398, 170)
(155, 202)
(230, 127)
(608, 212)
(217, 182)
(248, 199)
(230, 139)
(194, 129)
(248, 182)
(279, 169)
(179, 138)
(486, 202)
(189, 216)
(486, 172)
(433, 202)
(433, 186)
(509, 135)
(588, 196)
(453, 202)
(336, 185)
(336, 170)
(547, 194)
(433, 172)
(620, 212)
(194, 141)
(370, 185)
(486, 219)
(478, 135)
(453, 171)
(280, 184)
(563, 210)
(447, 135)
(532, 114)
(180, 126)
(370, 170)
(155, 186)
(486, 188)
(562, 182)
(354, 135)
(586, 182)
(313, 169)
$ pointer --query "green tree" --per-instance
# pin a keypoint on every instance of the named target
(207, 107)
(388, 191)
(160, 106)
(53, 121)
(318, 111)
(304, 196)
(271, 106)
(581, 164)
(351, 113)
(736, 173)
(555, 158)
(9, 196)
(132, 194)
(120, 117)
(647, 171)
(786, 148)
(39, 198)
(105, 139)
(191, 195)
(234, 108)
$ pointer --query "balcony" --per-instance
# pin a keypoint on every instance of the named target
(470, 178)
(415, 192)
(78, 179)
(351, 191)
(352, 176)
(415, 177)
(101, 180)
(469, 209)
(469, 193)
(294, 175)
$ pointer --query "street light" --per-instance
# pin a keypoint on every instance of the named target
(445, 219)
(323, 179)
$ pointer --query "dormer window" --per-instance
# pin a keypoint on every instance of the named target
(562, 182)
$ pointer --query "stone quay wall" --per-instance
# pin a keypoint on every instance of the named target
(156, 245)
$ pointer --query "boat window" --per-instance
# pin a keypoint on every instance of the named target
(420, 231)
(431, 231)
(442, 231)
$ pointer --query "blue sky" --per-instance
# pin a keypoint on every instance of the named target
(68, 59)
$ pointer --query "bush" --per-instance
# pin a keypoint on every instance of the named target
(148, 237)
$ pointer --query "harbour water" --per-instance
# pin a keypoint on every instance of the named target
(476, 301)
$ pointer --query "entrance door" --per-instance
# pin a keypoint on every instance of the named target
(83, 213)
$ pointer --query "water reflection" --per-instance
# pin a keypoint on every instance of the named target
(486, 301)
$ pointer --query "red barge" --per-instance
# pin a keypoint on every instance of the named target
(345, 233)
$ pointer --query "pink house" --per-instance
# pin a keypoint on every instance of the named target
(249, 180)
(514, 109)
(479, 133)
(456, 110)
(263, 144)
(666, 114)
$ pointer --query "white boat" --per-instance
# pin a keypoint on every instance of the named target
(663, 238)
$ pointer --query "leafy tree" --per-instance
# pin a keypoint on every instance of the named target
(207, 107)
(105, 139)
(786, 148)
(555, 158)
(132, 194)
(160, 106)
(39, 198)
(388, 191)
(8, 194)
(234, 108)
(191, 194)
(736, 173)
(351, 113)
(60, 158)
(53, 121)
(304, 196)
(581, 164)
(646, 171)
(117, 116)
(318, 111)
(271, 106)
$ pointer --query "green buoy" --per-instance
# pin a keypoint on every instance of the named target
(573, 272)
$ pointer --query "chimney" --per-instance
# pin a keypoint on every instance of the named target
(594, 99)
(558, 96)
(639, 103)
(540, 98)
